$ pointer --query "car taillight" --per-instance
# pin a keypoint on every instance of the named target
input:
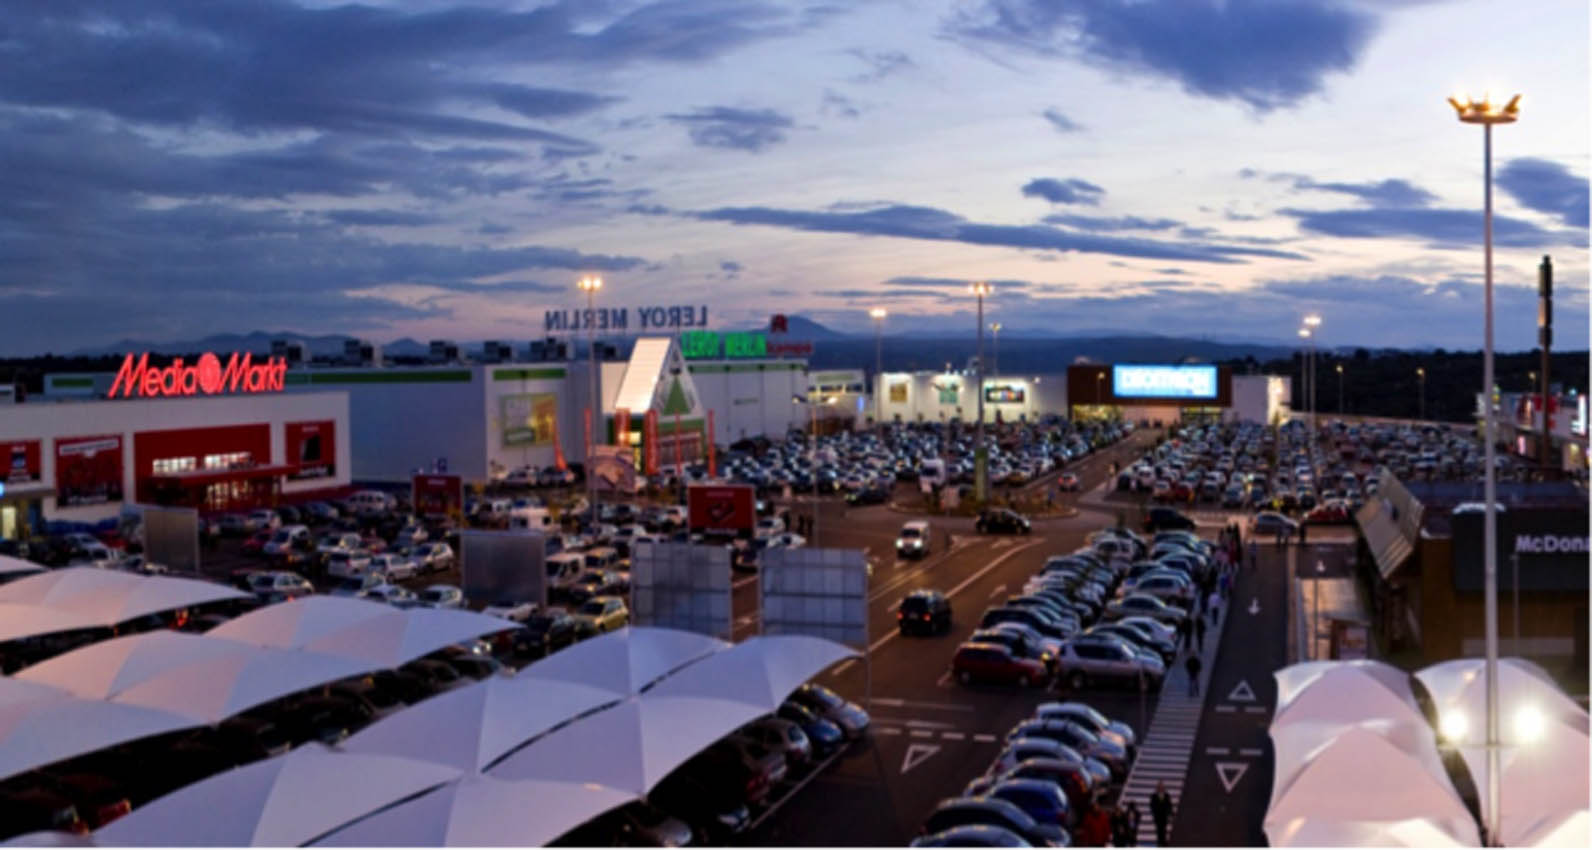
(925, 616)
(113, 811)
(899, 615)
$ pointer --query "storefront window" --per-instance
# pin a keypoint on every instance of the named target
(173, 465)
(230, 460)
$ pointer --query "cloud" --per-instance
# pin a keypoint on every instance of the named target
(536, 103)
(1546, 187)
(881, 64)
(911, 222)
(957, 283)
(1263, 53)
(1441, 228)
(1061, 122)
(1107, 224)
(751, 130)
(1385, 193)
(835, 103)
(380, 218)
(1070, 190)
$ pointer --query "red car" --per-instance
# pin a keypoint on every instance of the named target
(993, 662)
(1068, 482)
(1328, 514)
(255, 545)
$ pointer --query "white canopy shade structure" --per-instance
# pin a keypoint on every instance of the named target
(279, 802)
(59, 588)
(1544, 786)
(12, 569)
(629, 747)
(204, 678)
(471, 727)
(357, 628)
(1298, 679)
(49, 838)
(1320, 832)
(41, 724)
(760, 672)
(1573, 830)
(480, 811)
(1295, 744)
(1461, 685)
(1359, 776)
(151, 595)
(22, 620)
(625, 661)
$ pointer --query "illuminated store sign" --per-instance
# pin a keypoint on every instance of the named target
(204, 377)
(710, 345)
(1163, 381)
(618, 319)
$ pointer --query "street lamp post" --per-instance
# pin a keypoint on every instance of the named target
(1486, 114)
(1304, 372)
(878, 314)
(812, 451)
(590, 285)
(980, 453)
(1420, 372)
(995, 355)
(1313, 322)
(1340, 389)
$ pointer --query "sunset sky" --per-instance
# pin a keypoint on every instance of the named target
(440, 169)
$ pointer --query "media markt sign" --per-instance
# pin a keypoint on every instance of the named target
(206, 376)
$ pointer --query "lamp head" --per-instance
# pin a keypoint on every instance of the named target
(1484, 111)
(1304, 333)
(1454, 726)
(590, 284)
(1312, 320)
(877, 313)
(980, 288)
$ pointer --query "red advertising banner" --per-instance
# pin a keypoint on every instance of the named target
(558, 452)
(23, 464)
(622, 426)
(721, 509)
(313, 447)
(713, 457)
(437, 495)
(88, 470)
(649, 425)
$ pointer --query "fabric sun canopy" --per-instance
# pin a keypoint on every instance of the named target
(358, 629)
(41, 724)
(625, 661)
(84, 597)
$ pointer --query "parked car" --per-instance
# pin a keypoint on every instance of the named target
(357, 586)
(441, 596)
(782, 736)
(1071, 776)
(924, 612)
(1147, 606)
(393, 594)
(1041, 800)
(1078, 737)
(433, 557)
(962, 811)
(1096, 658)
(824, 735)
(715, 813)
(850, 717)
(346, 564)
(1159, 518)
(545, 632)
(1087, 715)
(1002, 521)
(603, 613)
(279, 586)
(995, 662)
(1270, 523)
(393, 566)
(972, 835)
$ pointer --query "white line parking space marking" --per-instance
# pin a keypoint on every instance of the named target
(999, 589)
(1227, 709)
(842, 667)
(1251, 751)
(984, 739)
(920, 733)
(874, 647)
(888, 730)
(953, 736)
(1255, 709)
(929, 724)
(1218, 751)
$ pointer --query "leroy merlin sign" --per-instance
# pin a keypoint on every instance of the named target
(711, 345)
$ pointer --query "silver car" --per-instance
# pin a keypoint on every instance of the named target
(1094, 658)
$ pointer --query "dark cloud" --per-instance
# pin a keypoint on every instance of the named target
(1264, 53)
(537, 103)
(730, 266)
(1108, 224)
(1061, 122)
(881, 64)
(1444, 228)
(1546, 187)
(835, 103)
(1070, 190)
(730, 128)
(1170, 270)
(1394, 193)
(380, 218)
(911, 222)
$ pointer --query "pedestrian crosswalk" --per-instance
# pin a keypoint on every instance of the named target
(1164, 752)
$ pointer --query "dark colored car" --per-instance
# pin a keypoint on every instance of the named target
(1043, 801)
(1077, 736)
(924, 612)
(715, 811)
(824, 735)
(36, 810)
(1160, 518)
(869, 496)
(545, 632)
(962, 811)
(1024, 642)
(1041, 621)
(1073, 778)
(972, 835)
(1002, 521)
(994, 662)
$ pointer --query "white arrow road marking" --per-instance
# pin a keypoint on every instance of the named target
(999, 589)
(1242, 693)
(1230, 772)
(917, 754)
(1254, 605)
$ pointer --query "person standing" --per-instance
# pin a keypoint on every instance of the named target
(1161, 811)
(1199, 633)
(1095, 830)
(1119, 826)
(1185, 630)
(1132, 819)
(1214, 604)
(1192, 665)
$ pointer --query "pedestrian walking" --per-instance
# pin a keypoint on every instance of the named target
(1095, 830)
(1134, 818)
(1161, 811)
(1199, 634)
(1192, 665)
(1119, 826)
(1185, 629)
(1214, 605)
(1225, 584)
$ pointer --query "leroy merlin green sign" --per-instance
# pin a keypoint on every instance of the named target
(711, 345)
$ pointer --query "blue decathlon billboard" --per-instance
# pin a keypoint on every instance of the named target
(1177, 382)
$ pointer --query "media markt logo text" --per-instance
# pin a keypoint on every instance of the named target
(1550, 544)
(206, 376)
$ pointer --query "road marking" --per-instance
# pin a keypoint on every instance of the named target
(742, 582)
(930, 724)
(1254, 605)
(888, 730)
(919, 733)
(999, 589)
(1227, 709)
(843, 667)
(944, 681)
(917, 754)
(891, 701)
(1255, 709)
(1242, 692)
(952, 736)
(892, 635)
(1001, 544)
(1251, 751)
(1218, 751)
(984, 739)
(1230, 772)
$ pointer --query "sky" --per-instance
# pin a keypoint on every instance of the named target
(431, 169)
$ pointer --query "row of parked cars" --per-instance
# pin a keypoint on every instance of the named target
(1107, 613)
(1053, 768)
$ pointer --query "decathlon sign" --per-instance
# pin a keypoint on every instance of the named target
(205, 376)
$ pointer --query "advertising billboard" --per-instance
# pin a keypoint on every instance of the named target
(311, 445)
(1551, 547)
(819, 592)
(88, 470)
(721, 509)
(22, 462)
(1004, 394)
(529, 419)
(1168, 382)
(437, 495)
(171, 538)
(681, 586)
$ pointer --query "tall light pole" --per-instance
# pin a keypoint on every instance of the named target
(1420, 372)
(590, 285)
(980, 453)
(812, 449)
(1340, 389)
(1304, 370)
(1486, 114)
(995, 355)
(1313, 322)
(878, 314)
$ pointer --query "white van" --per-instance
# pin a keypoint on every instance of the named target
(913, 541)
(564, 568)
(932, 472)
(531, 519)
(370, 502)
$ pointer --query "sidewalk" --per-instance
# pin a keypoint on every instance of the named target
(1316, 602)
